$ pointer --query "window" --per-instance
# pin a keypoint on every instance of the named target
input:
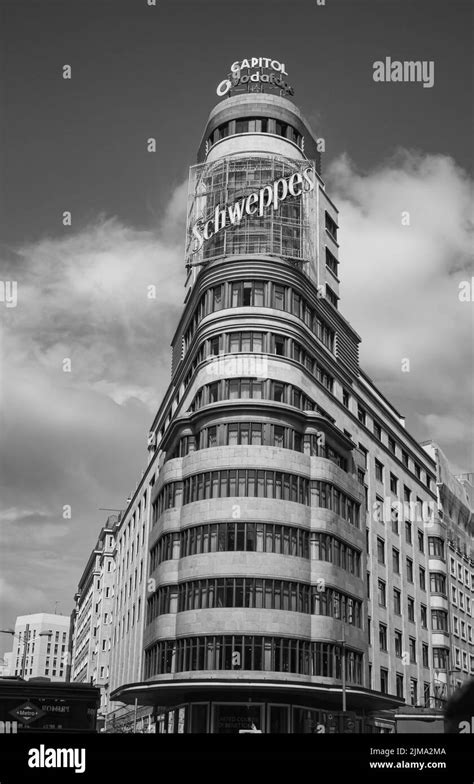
(421, 542)
(378, 471)
(405, 458)
(423, 616)
(409, 570)
(398, 644)
(412, 649)
(396, 560)
(391, 444)
(408, 535)
(436, 547)
(440, 658)
(411, 609)
(382, 593)
(417, 471)
(438, 583)
(397, 602)
(361, 415)
(331, 226)
(399, 685)
(345, 398)
(425, 654)
(331, 262)
(383, 680)
(382, 637)
(380, 550)
(393, 484)
(439, 621)
(377, 431)
(422, 579)
(413, 691)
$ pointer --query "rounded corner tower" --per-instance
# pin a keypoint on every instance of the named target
(257, 619)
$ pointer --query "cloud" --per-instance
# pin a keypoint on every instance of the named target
(86, 359)
(400, 287)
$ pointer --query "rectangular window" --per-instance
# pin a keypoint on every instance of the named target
(396, 560)
(361, 414)
(398, 644)
(393, 484)
(380, 550)
(397, 602)
(378, 471)
(382, 596)
(409, 570)
(422, 578)
(411, 609)
(382, 637)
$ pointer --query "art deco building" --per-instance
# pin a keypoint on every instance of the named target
(284, 521)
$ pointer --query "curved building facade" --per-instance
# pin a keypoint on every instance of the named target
(276, 595)
(257, 542)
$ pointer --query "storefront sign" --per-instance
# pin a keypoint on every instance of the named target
(254, 70)
(254, 204)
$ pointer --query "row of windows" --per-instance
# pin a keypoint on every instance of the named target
(240, 652)
(258, 434)
(254, 593)
(256, 125)
(255, 537)
(468, 577)
(256, 484)
(262, 294)
(254, 389)
(267, 342)
(392, 446)
(260, 342)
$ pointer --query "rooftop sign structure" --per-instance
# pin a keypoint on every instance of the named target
(255, 74)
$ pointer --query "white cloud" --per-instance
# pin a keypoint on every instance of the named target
(400, 284)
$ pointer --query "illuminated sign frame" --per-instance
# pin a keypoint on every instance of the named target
(253, 204)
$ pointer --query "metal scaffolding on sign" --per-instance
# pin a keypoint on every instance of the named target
(215, 188)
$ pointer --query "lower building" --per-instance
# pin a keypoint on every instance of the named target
(41, 643)
(91, 619)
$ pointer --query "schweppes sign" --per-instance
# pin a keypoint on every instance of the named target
(256, 203)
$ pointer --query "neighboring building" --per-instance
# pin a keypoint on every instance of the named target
(46, 636)
(92, 616)
(283, 533)
(131, 557)
(451, 553)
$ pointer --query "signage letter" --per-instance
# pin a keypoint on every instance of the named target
(278, 198)
(296, 179)
(266, 189)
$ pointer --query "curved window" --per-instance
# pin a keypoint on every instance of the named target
(257, 434)
(254, 593)
(438, 583)
(255, 537)
(436, 547)
(255, 125)
(245, 652)
(255, 389)
(262, 294)
(254, 483)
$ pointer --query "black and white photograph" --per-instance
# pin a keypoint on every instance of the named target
(236, 397)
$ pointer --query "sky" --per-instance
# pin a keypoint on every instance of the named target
(85, 355)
